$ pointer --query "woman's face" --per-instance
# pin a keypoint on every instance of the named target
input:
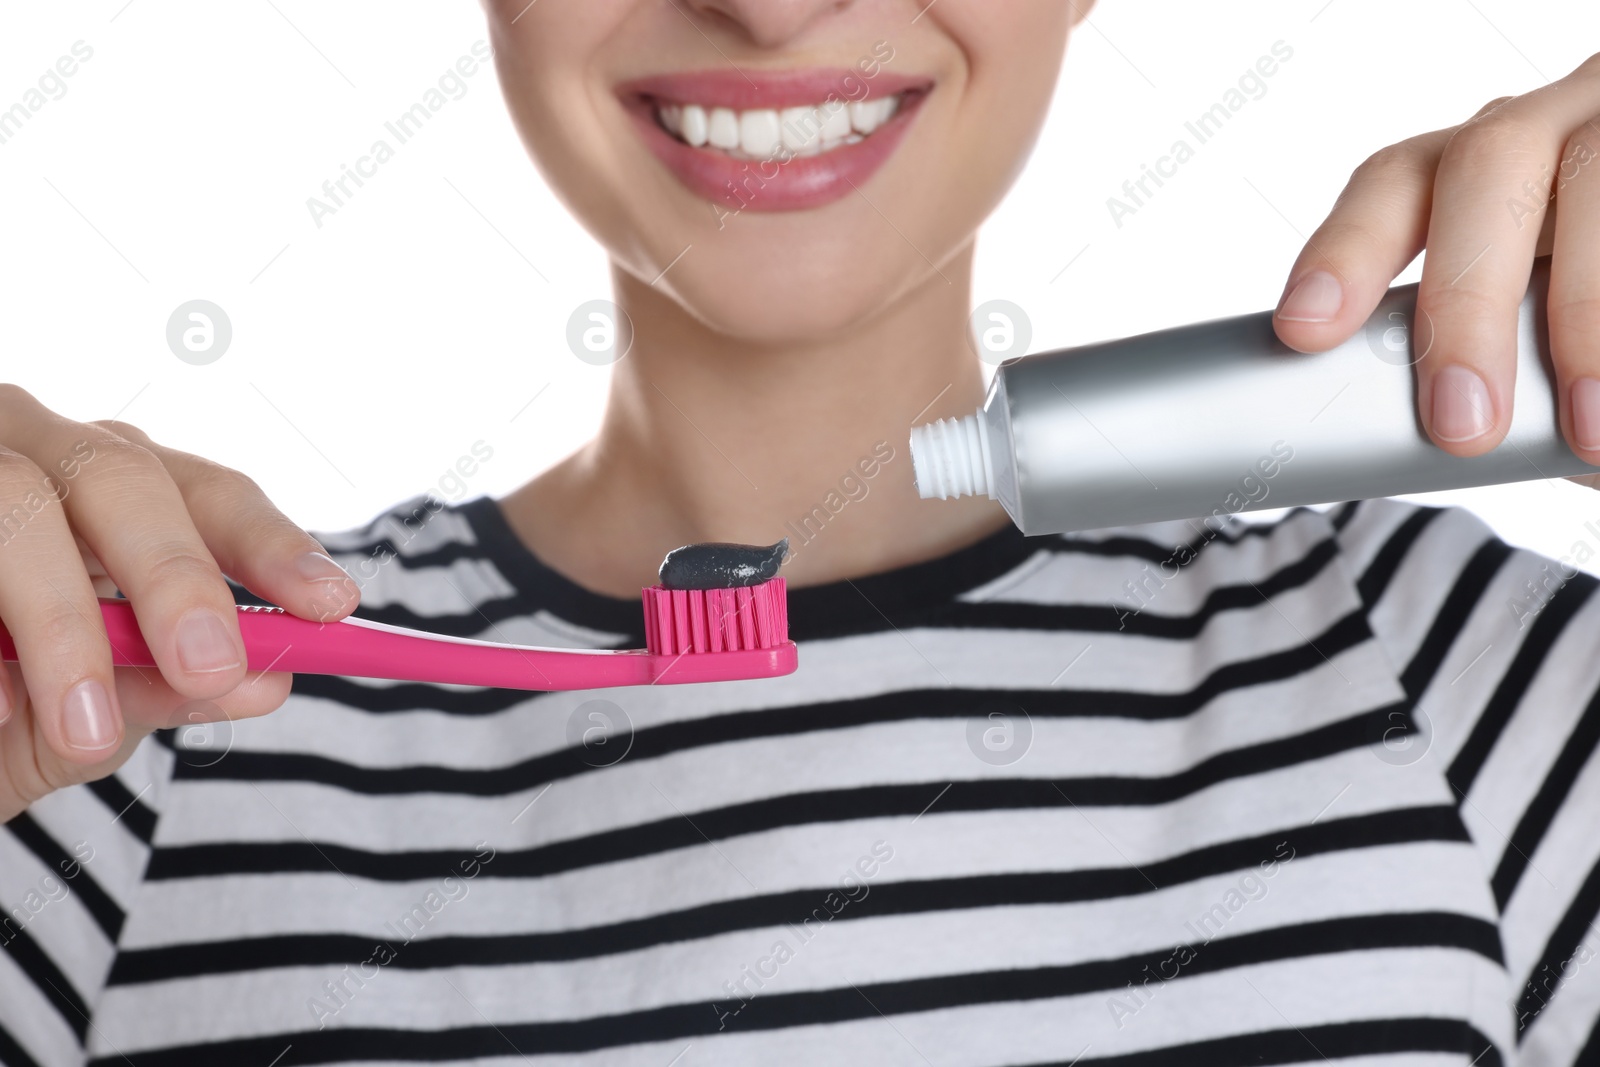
(816, 158)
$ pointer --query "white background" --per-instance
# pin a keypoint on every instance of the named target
(431, 309)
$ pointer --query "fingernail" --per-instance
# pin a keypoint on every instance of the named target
(1315, 298)
(5, 705)
(1462, 409)
(317, 567)
(87, 720)
(1586, 413)
(204, 646)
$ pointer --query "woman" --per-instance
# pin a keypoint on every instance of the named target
(1321, 796)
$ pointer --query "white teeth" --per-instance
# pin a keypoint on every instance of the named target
(799, 128)
(759, 132)
(722, 131)
(835, 121)
(868, 115)
(863, 117)
(693, 129)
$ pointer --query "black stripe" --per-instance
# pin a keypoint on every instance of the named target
(241, 595)
(902, 596)
(1448, 622)
(1452, 616)
(1098, 618)
(1118, 547)
(822, 611)
(1547, 627)
(415, 508)
(125, 807)
(778, 1011)
(1546, 803)
(1126, 617)
(383, 552)
(12, 1054)
(1263, 1048)
(1313, 1044)
(1441, 823)
(394, 510)
(814, 611)
(105, 912)
(807, 624)
(898, 706)
(482, 618)
(1590, 1053)
(777, 812)
(1085, 618)
(1156, 552)
(1546, 977)
(46, 977)
(408, 696)
(1375, 579)
(1340, 516)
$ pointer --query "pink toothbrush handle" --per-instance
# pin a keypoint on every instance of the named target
(275, 640)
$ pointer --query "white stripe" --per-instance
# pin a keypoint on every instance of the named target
(455, 589)
(1556, 870)
(1332, 988)
(939, 845)
(699, 779)
(1486, 646)
(40, 904)
(413, 526)
(543, 724)
(1182, 585)
(32, 1020)
(1534, 736)
(1427, 576)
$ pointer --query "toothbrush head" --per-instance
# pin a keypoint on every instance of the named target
(741, 618)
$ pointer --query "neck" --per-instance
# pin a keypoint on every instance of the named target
(708, 438)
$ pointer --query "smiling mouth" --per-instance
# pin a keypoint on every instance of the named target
(759, 133)
(771, 141)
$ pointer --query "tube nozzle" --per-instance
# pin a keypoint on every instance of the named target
(950, 458)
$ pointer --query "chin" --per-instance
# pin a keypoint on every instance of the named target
(807, 291)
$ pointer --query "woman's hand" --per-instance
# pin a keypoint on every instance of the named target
(87, 509)
(1521, 178)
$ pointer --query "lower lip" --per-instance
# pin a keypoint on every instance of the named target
(770, 185)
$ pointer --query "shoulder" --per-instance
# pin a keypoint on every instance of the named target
(1418, 567)
(1421, 575)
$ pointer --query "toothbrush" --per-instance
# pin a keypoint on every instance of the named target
(692, 635)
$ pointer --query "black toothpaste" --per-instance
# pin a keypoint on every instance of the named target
(718, 565)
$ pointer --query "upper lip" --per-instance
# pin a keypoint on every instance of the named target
(750, 89)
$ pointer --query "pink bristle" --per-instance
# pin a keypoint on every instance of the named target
(698, 641)
(680, 620)
(716, 607)
(686, 621)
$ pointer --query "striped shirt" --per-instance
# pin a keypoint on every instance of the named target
(1318, 789)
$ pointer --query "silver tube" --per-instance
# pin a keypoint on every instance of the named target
(1221, 417)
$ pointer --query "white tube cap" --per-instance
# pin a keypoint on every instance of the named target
(950, 458)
